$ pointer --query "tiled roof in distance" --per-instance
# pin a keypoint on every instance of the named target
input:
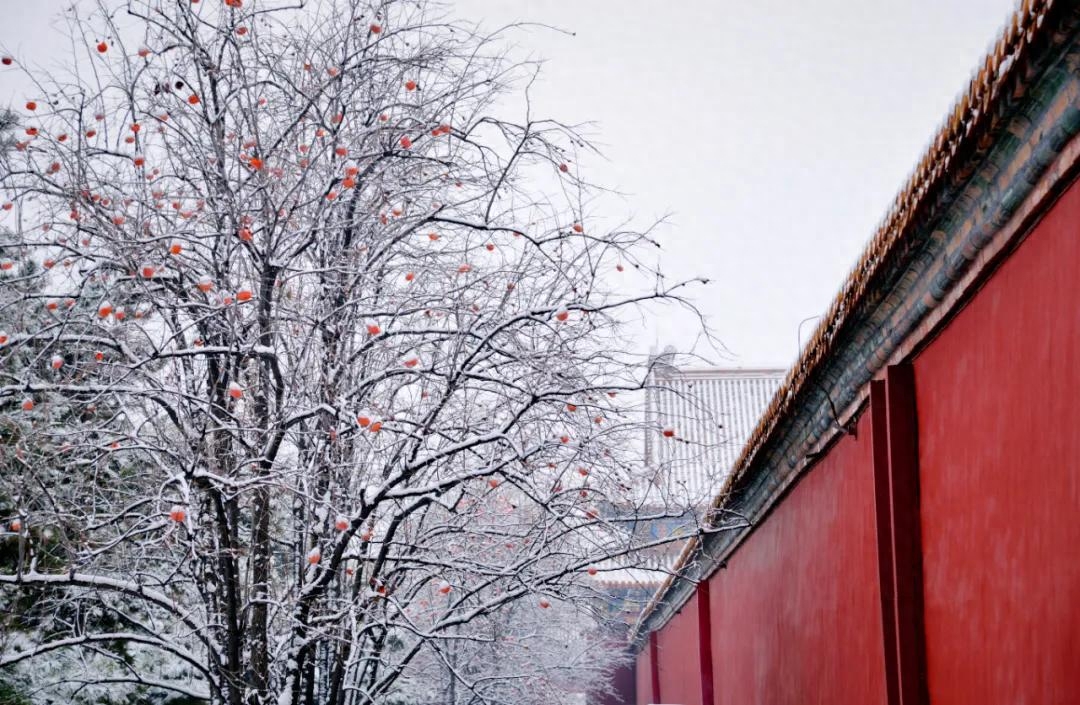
(712, 411)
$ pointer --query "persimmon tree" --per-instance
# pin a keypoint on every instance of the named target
(311, 367)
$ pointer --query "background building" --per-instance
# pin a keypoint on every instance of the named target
(714, 411)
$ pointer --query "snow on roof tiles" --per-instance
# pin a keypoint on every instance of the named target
(712, 412)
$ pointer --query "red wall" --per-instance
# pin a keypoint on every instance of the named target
(796, 615)
(998, 396)
(677, 653)
(643, 677)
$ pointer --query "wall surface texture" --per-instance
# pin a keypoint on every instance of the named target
(677, 650)
(998, 396)
(643, 677)
(796, 615)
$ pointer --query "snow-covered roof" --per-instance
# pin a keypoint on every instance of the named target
(711, 412)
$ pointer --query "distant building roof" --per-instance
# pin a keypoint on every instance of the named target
(712, 412)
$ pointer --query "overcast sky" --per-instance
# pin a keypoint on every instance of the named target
(775, 132)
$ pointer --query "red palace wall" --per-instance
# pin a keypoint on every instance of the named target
(998, 396)
(796, 614)
(643, 677)
(974, 500)
(677, 651)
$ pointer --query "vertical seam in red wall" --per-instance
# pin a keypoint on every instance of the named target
(906, 534)
(654, 667)
(705, 642)
(883, 527)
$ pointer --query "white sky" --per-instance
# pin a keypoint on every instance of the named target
(775, 132)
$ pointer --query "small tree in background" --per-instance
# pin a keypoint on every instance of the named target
(312, 378)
